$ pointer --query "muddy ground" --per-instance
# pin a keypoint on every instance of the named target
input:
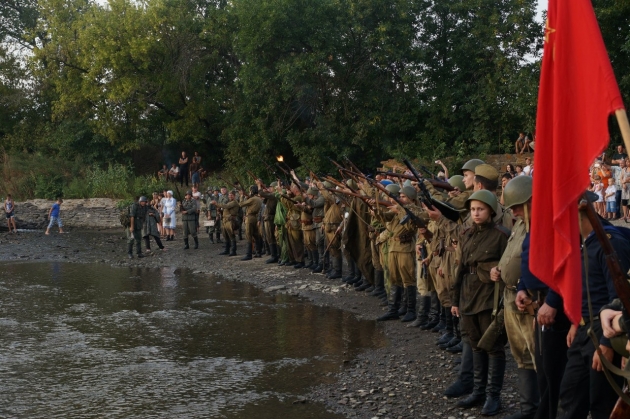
(403, 380)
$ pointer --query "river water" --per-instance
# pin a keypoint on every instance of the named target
(94, 341)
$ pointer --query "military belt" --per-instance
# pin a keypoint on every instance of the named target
(586, 320)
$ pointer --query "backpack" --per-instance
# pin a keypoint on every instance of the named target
(125, 216)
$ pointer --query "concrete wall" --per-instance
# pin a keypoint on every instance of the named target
(78, 213)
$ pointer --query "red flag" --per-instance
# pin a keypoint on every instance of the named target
(578, 92)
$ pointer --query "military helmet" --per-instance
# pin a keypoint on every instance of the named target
(409, 191)
(273, 184)
(393, 188)
(143, 199)
(471, 164)
(517, 191)
(457, 181)
(352, 184)
(253, 190)
(407, 183)
(189, 192)
(486, 197)
(328, 184)
(312, 191)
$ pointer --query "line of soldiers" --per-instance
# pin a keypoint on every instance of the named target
(449, 259)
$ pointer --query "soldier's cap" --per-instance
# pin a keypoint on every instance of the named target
(409, 191)
(487, 171)
(312, 191)
(273, 184)
(189, 192)
(143, 199)
(386, 182)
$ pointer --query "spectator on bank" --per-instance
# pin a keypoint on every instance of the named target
(9, 210)
(522, 143)
(519, 170)
(528, 167)
(609, 196)
(505, 178)
(173, 173)
(618, 156)
(54, 216)
(196, 178)
(625, 190)
(163, 173)
(509, 168)
(183, 169)
(616, 175)
(598, 188)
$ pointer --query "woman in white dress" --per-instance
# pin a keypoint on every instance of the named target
(168, 209)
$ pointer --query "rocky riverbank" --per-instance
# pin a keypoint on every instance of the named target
(403, 380)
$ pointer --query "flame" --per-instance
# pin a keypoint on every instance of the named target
(280, 158)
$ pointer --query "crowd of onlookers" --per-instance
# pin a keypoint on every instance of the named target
(610, 180)
(185, 171)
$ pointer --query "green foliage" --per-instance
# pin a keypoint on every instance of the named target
(112, 182)
(77, 188)
(48, 186)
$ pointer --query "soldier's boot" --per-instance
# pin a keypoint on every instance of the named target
(496, 371)
(412, 294)
(403, 307)
(529, 394)
(422, 314)
(364, 285)
(315, 259)
(480, 371)
(448, 331)
(319, 267)
(434, 313)
(248, 252)
(211, 236)
(442, 323)
(233, 248)
(218, 237)
(298, 264)
(267, 248)
(186, 244)
(147, 243)
(457, 335)
(130, 250)
(335, 271)
(259, 248)
(464, 384)
(327, 263)
(395, 296)
(274, 253)
(240, 233)
(226, 250)
(196, 242)
(350, 276)
(379, 284)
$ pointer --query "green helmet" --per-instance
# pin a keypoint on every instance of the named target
(328, 184)
(393, 189)
(457, 181)
(273, 184)
(517, 191)
(409, 191)
(312, 191)
(407, 183)
(486, 197)
(471, 164)
(352, 184)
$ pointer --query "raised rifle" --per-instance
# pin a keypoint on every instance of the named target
(365, 199)
(436, 183)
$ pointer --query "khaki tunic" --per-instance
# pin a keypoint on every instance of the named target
(402, 249)
(229, 218)
(252, 208)
(333, 218)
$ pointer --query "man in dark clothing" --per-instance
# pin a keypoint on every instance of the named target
(137, 215)
(183, 169)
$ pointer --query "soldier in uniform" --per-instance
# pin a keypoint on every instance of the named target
(269, 214)
(294, 227)
(252, 205)
(188, 209)
(475, 297)
(333, 218)
(137, 215)
(315, 201)
(212, 214)
(401, 259)
(228, 222)
(518, 325)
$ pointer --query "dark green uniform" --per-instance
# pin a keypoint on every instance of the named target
(138, 214)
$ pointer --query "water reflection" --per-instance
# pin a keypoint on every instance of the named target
(95, 341)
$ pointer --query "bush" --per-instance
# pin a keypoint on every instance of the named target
(48, 186)
(110, 183)
(77, 189)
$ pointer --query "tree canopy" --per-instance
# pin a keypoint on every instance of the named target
(244, 80)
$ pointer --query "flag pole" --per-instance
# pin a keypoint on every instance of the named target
(624, 126)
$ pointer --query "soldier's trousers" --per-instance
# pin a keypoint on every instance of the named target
(385, 265)
(309, 237)
(270, 233)
(296, 246)
(435, 263)
(335, 247)
(402, 268)
(443, 288)
(422, 272)
(376, 255)
(283, 243)
(520, 332)
(190, 227)
(251, 229)
(135, 237)
(228, 231)
(319, 240)
(475, 325)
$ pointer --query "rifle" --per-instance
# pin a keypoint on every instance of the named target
(291, 199)
(287, 172)
(622, 288)
(409, 215)
(253, 176)
(363, 198)
(427, 171)
(436, 183)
